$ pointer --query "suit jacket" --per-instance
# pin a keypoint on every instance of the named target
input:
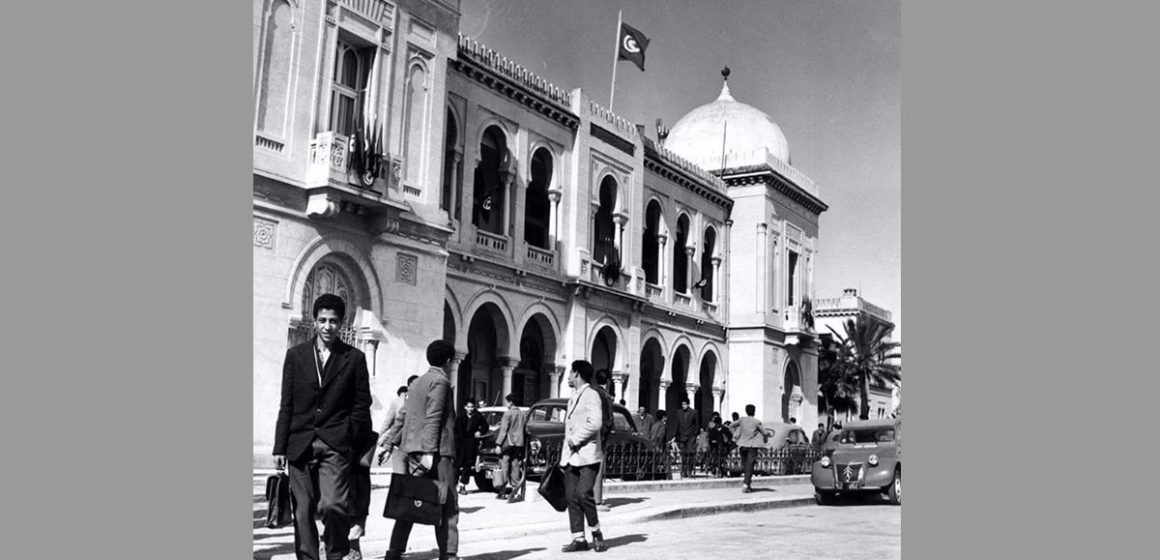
(659, 428)
(338, 411)
(582, 423)
(428, 416)
(644, 424)
(688, 425)
(393, 420)
(748, 432)
(511, 428)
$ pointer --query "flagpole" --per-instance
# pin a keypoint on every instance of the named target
(615, 57)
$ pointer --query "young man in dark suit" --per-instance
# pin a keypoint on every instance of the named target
(324, 415)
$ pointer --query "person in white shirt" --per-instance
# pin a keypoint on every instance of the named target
(580, 457)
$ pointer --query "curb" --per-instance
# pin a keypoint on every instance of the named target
(694, 511)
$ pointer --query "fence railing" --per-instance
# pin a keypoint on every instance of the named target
(634, 462)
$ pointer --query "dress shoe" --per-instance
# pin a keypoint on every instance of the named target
(746, 490)
(598, 542)
(575, 546)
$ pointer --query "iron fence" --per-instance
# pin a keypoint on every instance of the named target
(635, 462)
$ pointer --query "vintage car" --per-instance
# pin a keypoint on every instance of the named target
(487, 461)
(630, 454)
(867, 459)
(784, 453)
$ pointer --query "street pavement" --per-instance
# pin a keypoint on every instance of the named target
(490, 528)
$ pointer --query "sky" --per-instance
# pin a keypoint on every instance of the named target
(828, 72)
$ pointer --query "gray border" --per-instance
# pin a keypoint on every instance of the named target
(1022, 126)
(127, 250)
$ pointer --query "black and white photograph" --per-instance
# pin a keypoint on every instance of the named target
(545, 278)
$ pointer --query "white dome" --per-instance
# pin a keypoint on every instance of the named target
(697, 136)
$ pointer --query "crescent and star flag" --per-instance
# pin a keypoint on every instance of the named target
(632, 45)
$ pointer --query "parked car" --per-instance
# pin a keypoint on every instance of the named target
(867, 459)
(784, 453)
(630, 454)
(487, 460)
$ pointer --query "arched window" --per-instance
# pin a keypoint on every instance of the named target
(707, 264)
(489, 189)
(272, 100)
(604, 232)
(451, 163)
(680, 259)
(328, 277)
(651, 256)
(537, 208)
(416, 117)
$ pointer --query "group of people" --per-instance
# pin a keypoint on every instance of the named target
(696, 445)
(324, 438)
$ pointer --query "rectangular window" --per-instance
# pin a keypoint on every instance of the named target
(791, 288)
(352, 66)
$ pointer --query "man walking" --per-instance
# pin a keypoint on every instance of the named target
(750, 436)
(325, 413)
(580, 457)
(643, 420)
(819, 437)
(510, 439)
(688, 427)
(428, 442)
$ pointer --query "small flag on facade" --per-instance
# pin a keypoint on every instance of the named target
(632, 45)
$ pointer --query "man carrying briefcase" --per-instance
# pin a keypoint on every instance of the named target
(428, 440)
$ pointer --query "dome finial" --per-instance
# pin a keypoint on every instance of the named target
(725, 95)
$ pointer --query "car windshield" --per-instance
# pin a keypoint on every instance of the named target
(872, 435)
(548, 413)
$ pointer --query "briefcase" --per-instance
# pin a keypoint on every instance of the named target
(552, 488)
(280, 511)
(417, 499)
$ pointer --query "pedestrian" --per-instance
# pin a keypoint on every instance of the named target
(510, 439)
(470, 427)
(750, 436)
(718, 446)
(606, 422)
(736, 417)
(581, 456)
(643, 420)
(360, 477)
(688, 427)
(324, 415)
(659, 431)
(819, 437)
(428, 441)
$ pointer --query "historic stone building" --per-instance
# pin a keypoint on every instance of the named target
(518, 219)
(833, 312)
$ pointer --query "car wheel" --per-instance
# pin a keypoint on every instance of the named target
(894, 491)
(823, 498)
(484, 483)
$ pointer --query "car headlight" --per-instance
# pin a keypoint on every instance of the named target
(534, 446)
(873, 460)
(825, 462)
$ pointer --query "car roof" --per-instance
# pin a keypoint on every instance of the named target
(875, 423)
(560, 401)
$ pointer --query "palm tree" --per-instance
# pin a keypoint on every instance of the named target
(865, 355)
(835, 384)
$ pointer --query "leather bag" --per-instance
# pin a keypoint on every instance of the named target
(279, 512)
(418, 499)
(552, 488)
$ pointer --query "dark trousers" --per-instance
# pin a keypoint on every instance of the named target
(360, 498)
(748, 457)
(578, 483)
(447, 533)
(688, 456)
(598, 486)
(320, 482)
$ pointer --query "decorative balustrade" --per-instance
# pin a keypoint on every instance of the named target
(622, 124)
(685, 165)
(328, 152)
(850, 303)
(653, 291)
(509, 69)
(491, 241)
(682, 300)
(268, 143)
(542, 257)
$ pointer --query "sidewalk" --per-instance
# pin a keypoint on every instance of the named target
(483, 518)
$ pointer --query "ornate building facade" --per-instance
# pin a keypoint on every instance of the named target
(520, 220)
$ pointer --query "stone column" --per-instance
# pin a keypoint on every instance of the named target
(662, 262)
(453, 375)
(719, 401)
(618, 233)
(691, 389)
(507, 366)
(716, 279)
(620, 378)
(555, 375)
(662, 389)
(763, 275)
(689, 263)
(554, 197)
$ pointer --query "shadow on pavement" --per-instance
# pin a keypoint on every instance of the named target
(503, 554)
(764, 490)
(625, 539)
(470, 509)
(284, 548)
(614, 502)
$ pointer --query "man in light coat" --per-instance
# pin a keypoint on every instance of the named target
(580, 457)
(510, 439)
(750, 436)
(428, 440)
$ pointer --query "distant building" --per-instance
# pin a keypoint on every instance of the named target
(833, 312)
(519, 220)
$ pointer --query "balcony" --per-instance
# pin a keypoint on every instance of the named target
(682, 300)
(541, 257)
(653, 292)
(491, 242)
